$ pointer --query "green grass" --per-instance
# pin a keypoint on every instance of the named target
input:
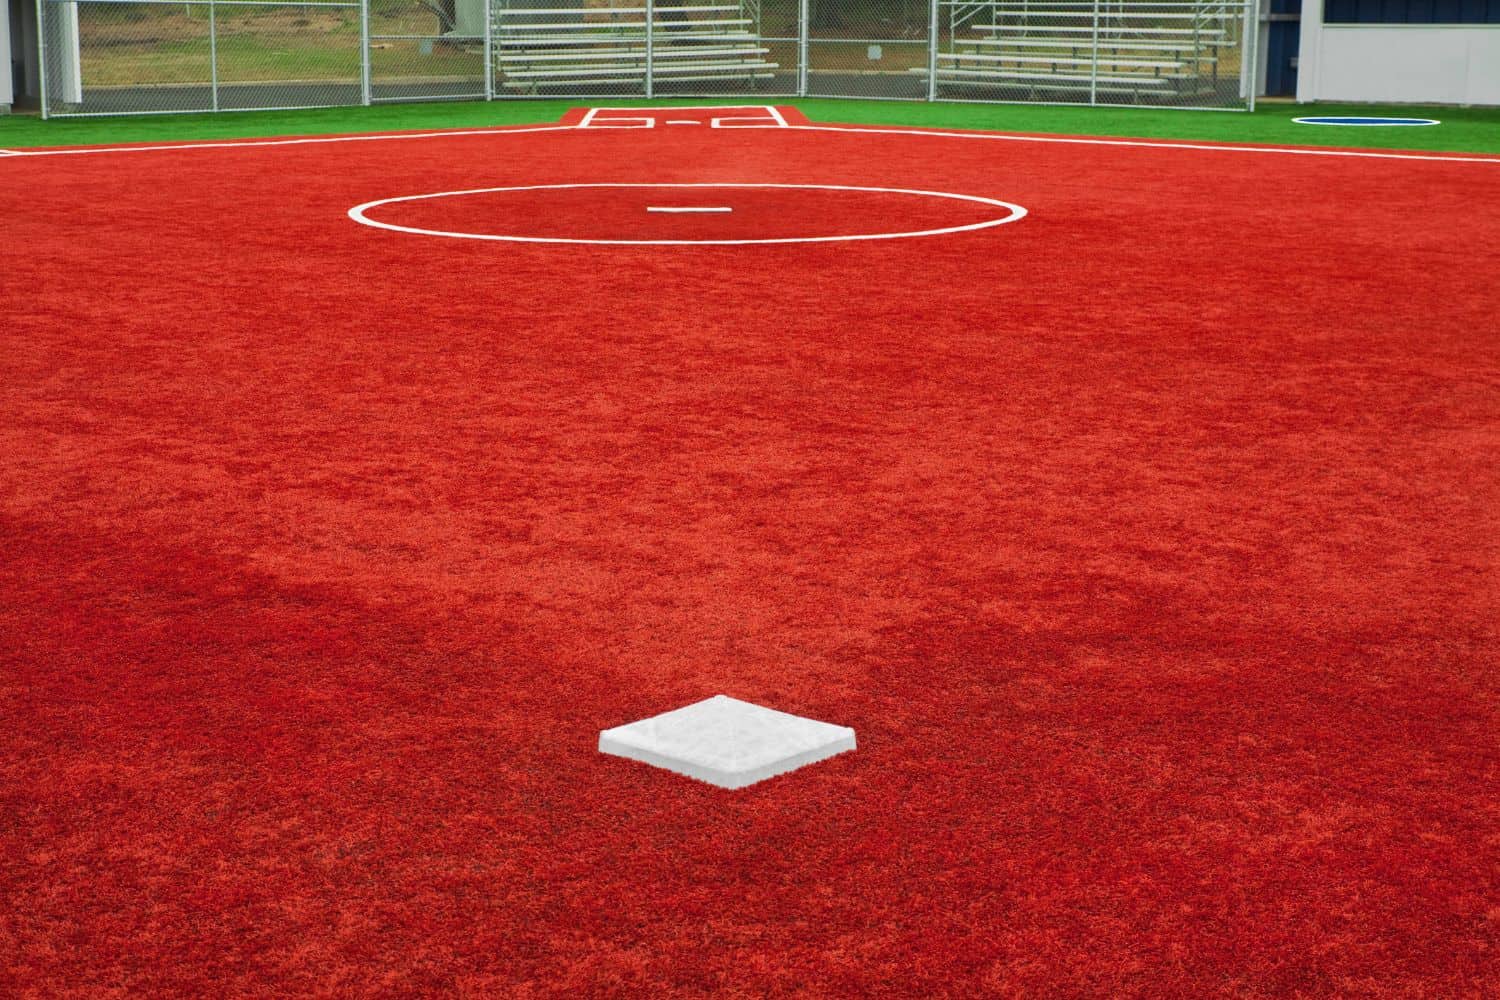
(1475, 130)
(170, 45)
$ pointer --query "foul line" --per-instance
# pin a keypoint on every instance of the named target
(992, 136)
(1142, 144)
(502, 130)
(671, 208)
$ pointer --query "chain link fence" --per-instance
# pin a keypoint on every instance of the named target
(868, 48)
(103, 57)
(424, 50)
(145, 56)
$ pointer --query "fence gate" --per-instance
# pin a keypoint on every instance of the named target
(425, 50)
(102, 57)
(152, 56)
(868, 48)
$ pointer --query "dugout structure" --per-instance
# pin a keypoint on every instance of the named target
(103, 57)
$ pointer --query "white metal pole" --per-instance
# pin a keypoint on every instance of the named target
(489, 51)
(213, 54)
(650, 48)
(932, 49)
(364, 58)
(803, 18)
(1094, 62)
(41, 55)
(1250, 53)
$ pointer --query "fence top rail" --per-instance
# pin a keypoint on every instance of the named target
(635, 11)
(639, 66)
(208, 3)
(524, 11)
(1072, 43)
(982, 57)
(505, 41)
(575, 25)
(1145, 15)
(1044, 6)
(530, 11)
(596, 26)
(633, 52)
(1116, 15)
(1137, 29)
(1138, 80)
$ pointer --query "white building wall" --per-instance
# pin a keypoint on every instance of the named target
(1401, 63)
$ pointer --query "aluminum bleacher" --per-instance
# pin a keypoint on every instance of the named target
(1033, 49)
(572, 49)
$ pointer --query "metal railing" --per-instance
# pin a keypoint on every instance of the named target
(107, 57)
(628, 48)
(1171, 53)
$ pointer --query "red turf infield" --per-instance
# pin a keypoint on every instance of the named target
(1149, 543)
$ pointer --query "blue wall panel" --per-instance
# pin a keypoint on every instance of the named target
(1412, 12)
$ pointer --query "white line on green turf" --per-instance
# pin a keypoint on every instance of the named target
(991, 136)
(314, 140)
(1138, 143)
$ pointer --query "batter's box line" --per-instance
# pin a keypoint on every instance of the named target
(773, 118)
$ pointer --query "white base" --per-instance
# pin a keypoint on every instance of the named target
(727, 742)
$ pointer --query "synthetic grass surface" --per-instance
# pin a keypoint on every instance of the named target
(1463, 129)
(1149, 544)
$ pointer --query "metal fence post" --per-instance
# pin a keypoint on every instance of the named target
(41, 55)
(1094, 61)
(489, 50)
(803, 19)
(650, 48)
(1250, 53)
(932, 49)
(213, 54)
(364, 52)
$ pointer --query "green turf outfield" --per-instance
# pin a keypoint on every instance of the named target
(1462, 129)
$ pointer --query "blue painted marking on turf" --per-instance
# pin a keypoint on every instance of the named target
(1356, 120)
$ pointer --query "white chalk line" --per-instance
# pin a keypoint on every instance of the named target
(1367, 121)
(305, 141)
(609, 118)
(1142, 144)
(770, 109)
(686, 209)
(1013, 213)
(856, 129)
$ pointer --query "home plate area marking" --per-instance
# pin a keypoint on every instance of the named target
(747, 116)
(727, 742)
(631, 214)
